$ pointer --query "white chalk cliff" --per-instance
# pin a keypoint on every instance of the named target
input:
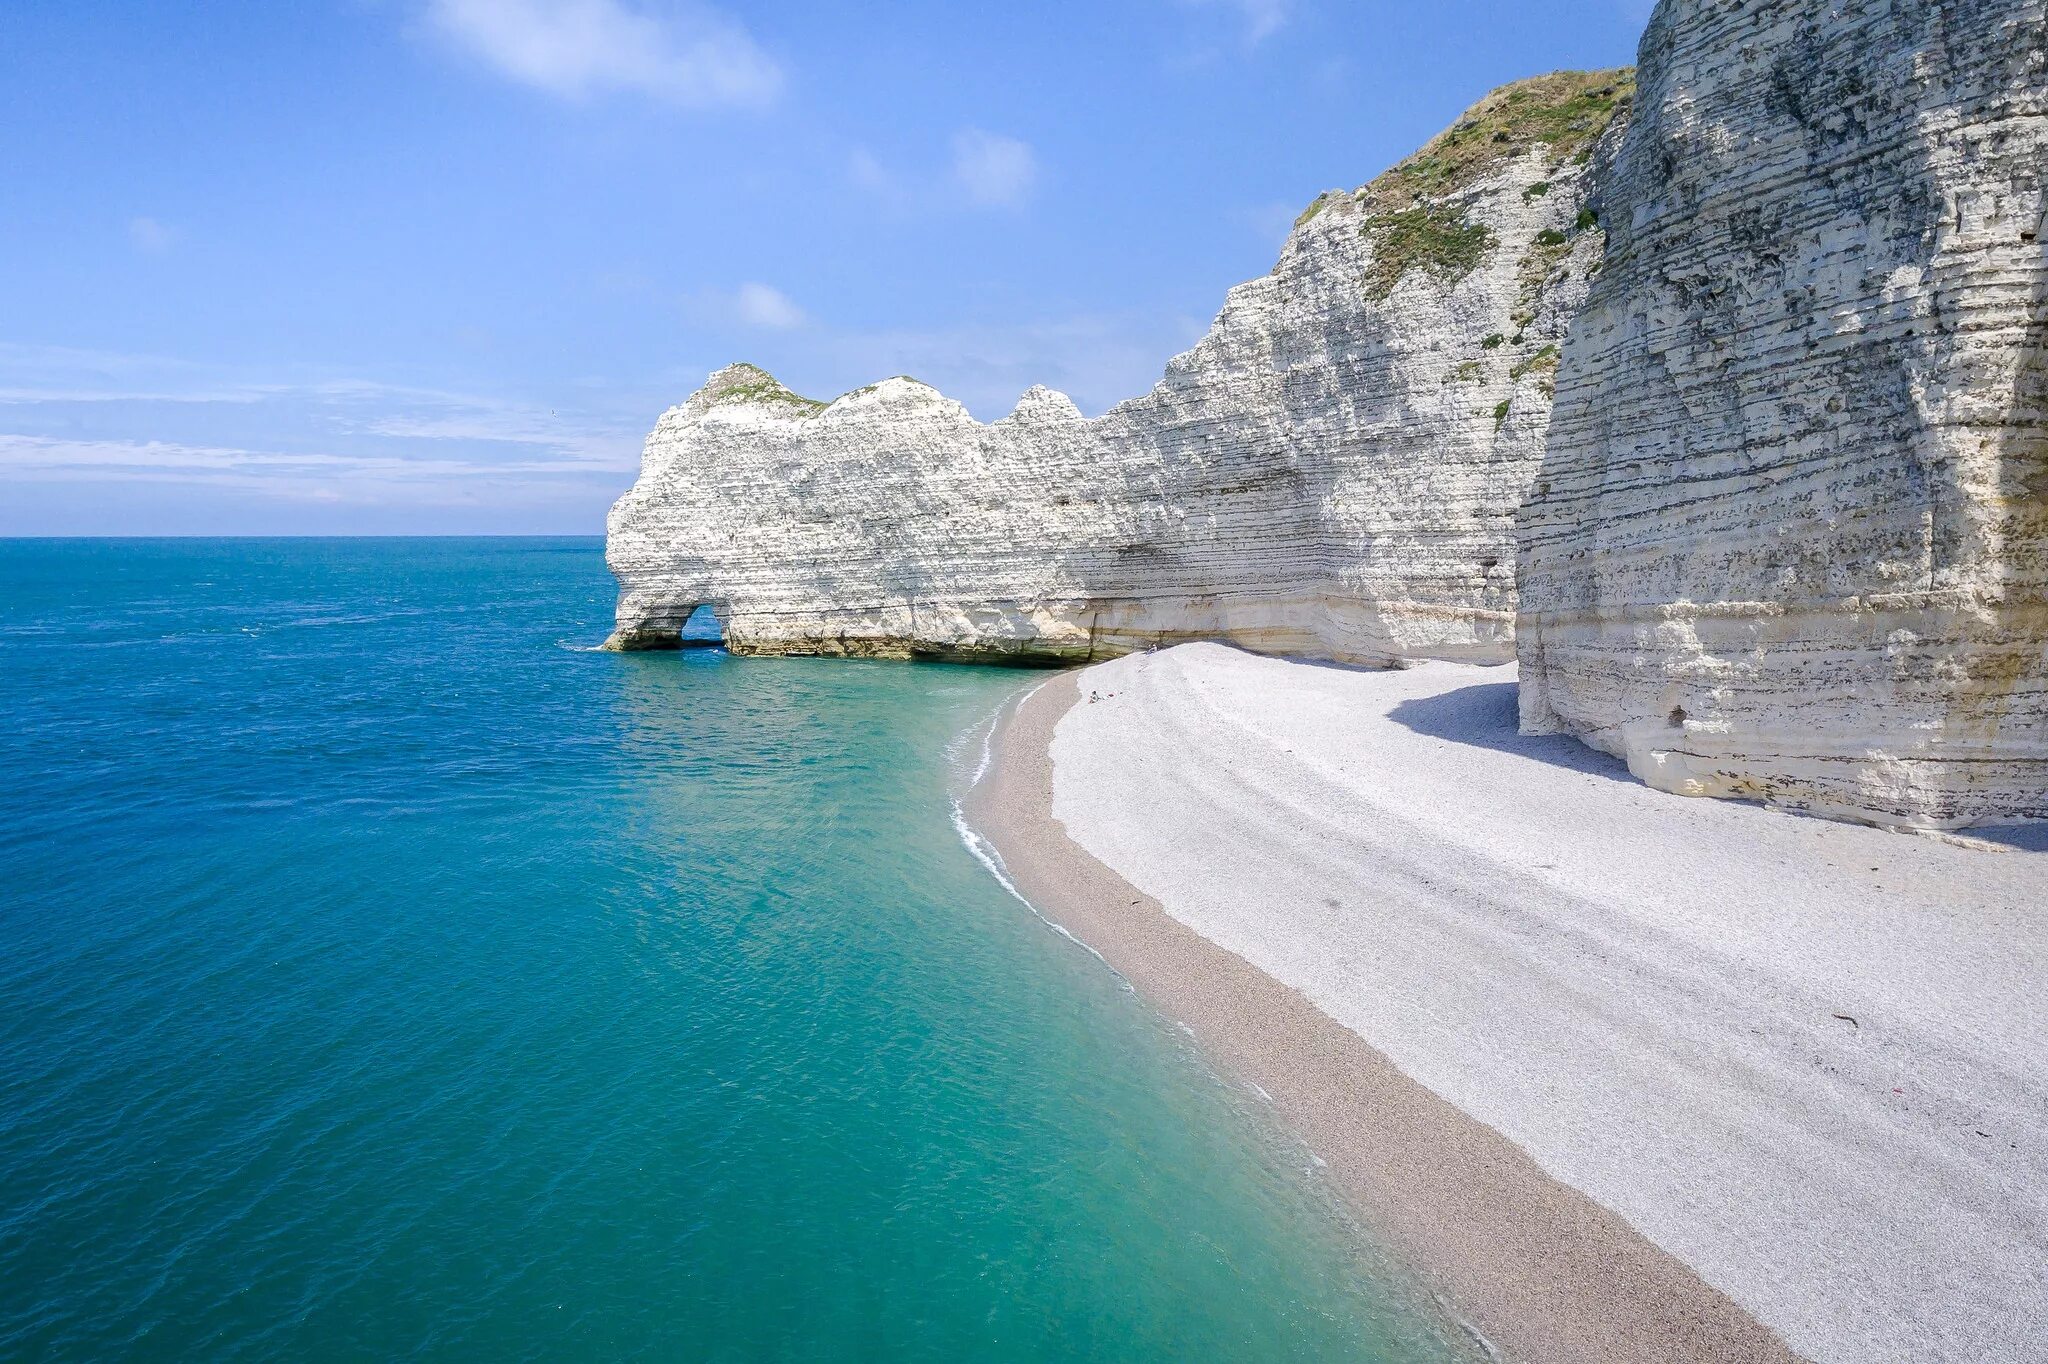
(1783, 536)
(1790, 538)
(1332, 472)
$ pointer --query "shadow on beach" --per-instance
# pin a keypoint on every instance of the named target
(2019, 837)
(1484, 716)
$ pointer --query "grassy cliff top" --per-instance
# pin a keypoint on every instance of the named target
(744, 383)
(1567, 110)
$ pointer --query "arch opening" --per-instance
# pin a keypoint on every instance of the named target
(704, 628)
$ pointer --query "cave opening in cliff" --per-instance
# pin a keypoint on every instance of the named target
(704, 629)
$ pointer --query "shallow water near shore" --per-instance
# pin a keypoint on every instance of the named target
(385, 975)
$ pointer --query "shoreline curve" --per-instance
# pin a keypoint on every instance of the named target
(1533, 1267)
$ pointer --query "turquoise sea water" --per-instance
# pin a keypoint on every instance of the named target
(385, 976)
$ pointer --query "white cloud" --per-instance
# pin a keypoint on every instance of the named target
(163, 422)
(680, 52)
(32, 374)
(897, 193)
(986, 170)
(296, 476)
(872, 177)
(568, 448)
(992, 170)
(109, 395)
(150, 237)
(42, 454)
(752, 306)
(764, 306)
(1261, 18)
(95, 442)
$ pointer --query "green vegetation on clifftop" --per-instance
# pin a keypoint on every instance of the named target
(1435, 237)
(752, 384)
(1413, 218)
(1568, 110)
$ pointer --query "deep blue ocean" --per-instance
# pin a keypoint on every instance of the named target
(385, 975)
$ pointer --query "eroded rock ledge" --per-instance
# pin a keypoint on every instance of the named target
(1332, 472)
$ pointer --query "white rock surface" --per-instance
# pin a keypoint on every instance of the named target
(1332, 472)
(1790, 539)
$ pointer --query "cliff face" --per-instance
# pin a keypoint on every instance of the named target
(1790, 538)
(1332, 472)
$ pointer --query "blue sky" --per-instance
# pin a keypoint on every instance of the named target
(398, 266)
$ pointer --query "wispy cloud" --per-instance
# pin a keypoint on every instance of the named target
(870, 174)
(288, 476)
(149, 236)
(679, 52)
(21, 454)
(1261, 19)
(752, 307)
(992, 170)
(208, 437)
(131, 395)
(986, 171)
(566, 447)
(295, 438)
(765, 306)
(68, 374)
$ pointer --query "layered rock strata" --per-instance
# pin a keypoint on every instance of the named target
(1790, 537)
(1332, 472)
